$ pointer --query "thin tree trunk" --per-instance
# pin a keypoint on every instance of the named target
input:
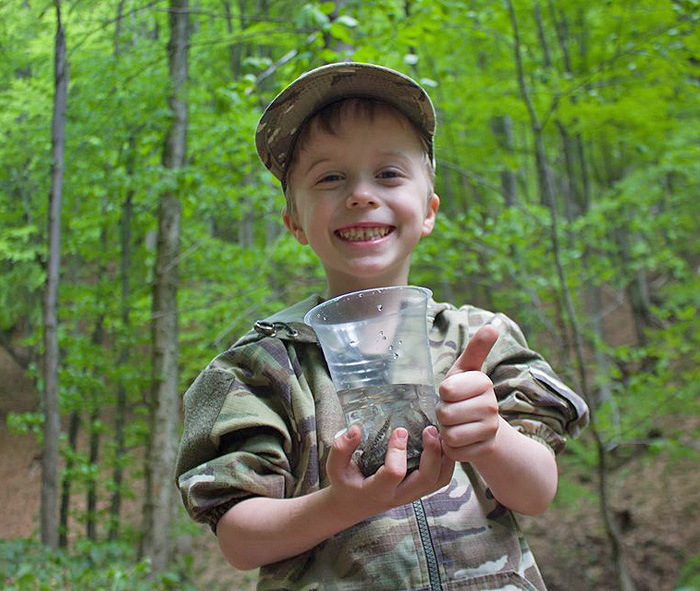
(120, 411)
(73, 427)
(340, 48)
(236, 51)
(578, 202)
(570, 189)
(98, 339)
(541, 36)
(118, 28)
(163, 446)
(94, 447)
(94, 417)
(638, 296)
(52, 423)
(502, 127)
(125, 235)
(624, 579)
(246, 228)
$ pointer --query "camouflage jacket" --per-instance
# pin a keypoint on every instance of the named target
(260, 420)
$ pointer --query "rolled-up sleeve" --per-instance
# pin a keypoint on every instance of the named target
(530, 395)
(238, 435)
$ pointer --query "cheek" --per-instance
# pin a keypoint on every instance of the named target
(419, 215)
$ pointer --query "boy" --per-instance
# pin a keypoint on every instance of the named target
(265, 458)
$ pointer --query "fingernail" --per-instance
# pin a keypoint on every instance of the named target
(401, 433)
(432, 431)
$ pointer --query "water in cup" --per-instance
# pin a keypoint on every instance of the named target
(378, 410)
(376, 345)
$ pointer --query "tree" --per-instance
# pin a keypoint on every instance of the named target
(165, 391)
(52, 427)
(614, 87)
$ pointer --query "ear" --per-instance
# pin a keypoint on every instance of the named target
(293, 226)
(431, 214)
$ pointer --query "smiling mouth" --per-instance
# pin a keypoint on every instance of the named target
(363, 233)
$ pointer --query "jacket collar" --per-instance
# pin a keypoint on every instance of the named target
(288, 324)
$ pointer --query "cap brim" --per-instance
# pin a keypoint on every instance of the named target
(286, 114)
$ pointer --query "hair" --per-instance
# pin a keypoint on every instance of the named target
(329, 118)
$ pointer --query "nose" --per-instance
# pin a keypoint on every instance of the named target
(361, 196)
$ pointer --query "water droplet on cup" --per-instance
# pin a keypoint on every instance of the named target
(396, 355)
(380, 307)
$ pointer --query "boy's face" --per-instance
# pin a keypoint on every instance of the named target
(362, 199)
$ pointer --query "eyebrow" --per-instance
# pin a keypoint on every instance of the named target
(402, 154)
(399, 153)
(316, 163)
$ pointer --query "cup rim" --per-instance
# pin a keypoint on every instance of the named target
(358, 294)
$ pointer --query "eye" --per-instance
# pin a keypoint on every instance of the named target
(390, 173)
(331, 177)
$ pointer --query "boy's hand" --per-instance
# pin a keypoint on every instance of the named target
(389, 486)
(468, 409)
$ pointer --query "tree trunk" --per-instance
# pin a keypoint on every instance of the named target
(120, 411)
(237, 51)
(125, 262)
(246, 227)
(73, 427)
(93, 430)
(52, 423)
(541, 35)
(98, 341)
(340, 48)
(503, 130)
(118, 28)
(624, 579)
(165, 415)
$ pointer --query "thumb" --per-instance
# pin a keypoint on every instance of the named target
(474, 354)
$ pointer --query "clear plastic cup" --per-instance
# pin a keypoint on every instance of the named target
(376, 345)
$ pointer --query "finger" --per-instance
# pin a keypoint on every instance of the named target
(394, 467)
(469, 439)
(429, 464)
(432, 449)
(468, 453)
(476, 351)
(435, 468)
(457, 389)
(343, 447)
(431, 460)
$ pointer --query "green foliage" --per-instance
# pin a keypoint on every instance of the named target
(26, 565)
(614, 86)
(689, 577)
(26, 422)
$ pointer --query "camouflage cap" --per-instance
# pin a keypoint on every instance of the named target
(285, 115)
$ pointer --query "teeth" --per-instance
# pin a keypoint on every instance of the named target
(358, 234)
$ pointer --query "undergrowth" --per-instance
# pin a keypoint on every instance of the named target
(27, 565)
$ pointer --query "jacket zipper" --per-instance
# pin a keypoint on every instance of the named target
(430, 558)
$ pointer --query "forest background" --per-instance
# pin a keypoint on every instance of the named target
(140, 236)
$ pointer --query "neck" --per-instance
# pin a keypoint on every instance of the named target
(337, 286)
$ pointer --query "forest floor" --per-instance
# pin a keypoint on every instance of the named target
(655, 497)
